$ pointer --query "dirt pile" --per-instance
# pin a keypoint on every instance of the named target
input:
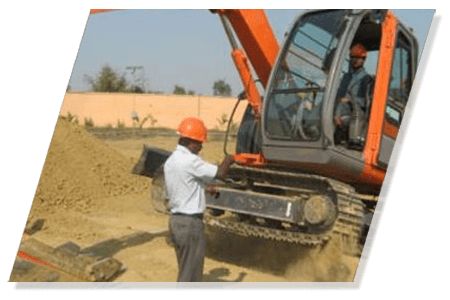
(79, 170)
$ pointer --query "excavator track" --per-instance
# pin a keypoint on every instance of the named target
(250, 230)
(346, 228)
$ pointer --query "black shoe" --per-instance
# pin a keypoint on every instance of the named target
(356, 144)
(216, 212)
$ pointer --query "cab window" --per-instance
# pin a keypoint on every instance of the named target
(400, 81)
(295, 102)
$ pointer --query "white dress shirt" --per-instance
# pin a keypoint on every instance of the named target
(186, 176)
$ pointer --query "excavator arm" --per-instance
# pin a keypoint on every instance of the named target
(260, 47)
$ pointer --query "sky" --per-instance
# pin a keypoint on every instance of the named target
(188, 48)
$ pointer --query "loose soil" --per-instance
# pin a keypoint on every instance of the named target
(88, 196)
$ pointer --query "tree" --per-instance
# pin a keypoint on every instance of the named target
(155, 92)
(179, 90)
(136, 89)
(107, 81)
(221, 88)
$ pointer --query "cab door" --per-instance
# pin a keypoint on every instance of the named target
(401, 78)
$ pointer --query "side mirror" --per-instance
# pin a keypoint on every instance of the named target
(378, 15)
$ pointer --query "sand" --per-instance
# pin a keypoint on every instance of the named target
(88, 196)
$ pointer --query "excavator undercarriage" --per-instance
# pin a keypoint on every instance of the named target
(290, 207)
(296, 208)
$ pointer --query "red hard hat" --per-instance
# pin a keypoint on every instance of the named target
(358, 50)
(193, 128)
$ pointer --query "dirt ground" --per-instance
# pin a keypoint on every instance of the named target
(88, 196)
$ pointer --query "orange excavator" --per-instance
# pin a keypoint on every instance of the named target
(294, 180)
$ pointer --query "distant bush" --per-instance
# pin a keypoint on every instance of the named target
(71, 118)
(120, 124)
(223, 124)
(88, 122)
(223, 121)
(140, 123)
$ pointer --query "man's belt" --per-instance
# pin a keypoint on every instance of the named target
(197, 216)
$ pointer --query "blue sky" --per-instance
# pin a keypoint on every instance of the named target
(180, 47)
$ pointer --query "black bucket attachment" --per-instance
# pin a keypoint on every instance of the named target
(149, 162)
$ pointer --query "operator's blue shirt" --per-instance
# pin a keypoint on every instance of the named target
(354, 86)
(186, 176)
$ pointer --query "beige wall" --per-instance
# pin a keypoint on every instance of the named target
(169, 110)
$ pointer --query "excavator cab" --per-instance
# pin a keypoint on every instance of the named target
(307, 84)
(301, 81)
(296, 93)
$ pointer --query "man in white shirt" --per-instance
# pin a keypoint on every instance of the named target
(186, 176)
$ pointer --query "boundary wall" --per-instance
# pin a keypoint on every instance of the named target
(108, 108)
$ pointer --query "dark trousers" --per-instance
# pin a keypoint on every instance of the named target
(190, 246)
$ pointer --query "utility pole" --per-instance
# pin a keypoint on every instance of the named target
(134, 114)
(133, 73)
(198, 106)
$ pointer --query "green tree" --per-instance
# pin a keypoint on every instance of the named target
(136, 89)
(107, 81)
(179, 90)
(221, 88)
(155, 92)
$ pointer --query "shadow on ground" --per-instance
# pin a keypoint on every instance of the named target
(218, 274)
(110, 247)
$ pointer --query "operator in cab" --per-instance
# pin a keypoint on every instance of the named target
(352, 101)
(186, 176)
